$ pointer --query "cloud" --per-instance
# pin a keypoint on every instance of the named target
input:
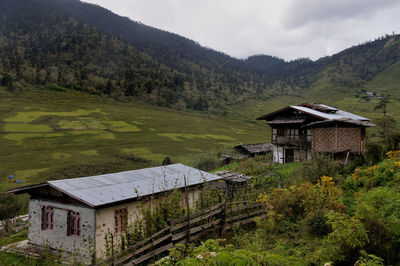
(306, 11)
(286, 28)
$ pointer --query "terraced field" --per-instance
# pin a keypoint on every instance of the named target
(46, 134)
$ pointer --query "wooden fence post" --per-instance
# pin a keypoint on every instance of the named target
(223, 219)
(179, 230)
(223, 215)
(188, 212)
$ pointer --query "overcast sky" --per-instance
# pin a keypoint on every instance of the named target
(285, 28)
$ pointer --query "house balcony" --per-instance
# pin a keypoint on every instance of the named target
(292, 140)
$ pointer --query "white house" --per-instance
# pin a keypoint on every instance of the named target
(75, 214)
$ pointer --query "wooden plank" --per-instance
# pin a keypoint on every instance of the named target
(183, 241)
(198, 235)
(230, 226)
(136, 252)
(242, 208)
(194, 233)
(147, 239)
(205, 216)
(105, 262)
(195, 220)
(151, 244)
(151, 254)
(193, 215)
(204, 226)
(194, 230)
(178, 236)
(134, 247)
(239, 217)
(249, 220)
(239, 202)
(235, 218)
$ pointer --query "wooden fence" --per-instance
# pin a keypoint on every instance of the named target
(14, 225)
(215, 219)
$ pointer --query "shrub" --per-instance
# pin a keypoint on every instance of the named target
(167, 161)
(316, 223)
(55, 87)
(374, 153)
(319, 165)
(207, 162)
(379, 210)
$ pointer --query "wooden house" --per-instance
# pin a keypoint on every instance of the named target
(74, 215)
(299, 130)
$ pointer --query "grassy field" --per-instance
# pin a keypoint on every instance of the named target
(46, 134)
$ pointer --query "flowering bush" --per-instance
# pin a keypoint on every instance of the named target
(385, 173)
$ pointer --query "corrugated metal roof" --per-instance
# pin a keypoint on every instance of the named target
(110, 188)
(340, 114)
(346, 121)
(288, 120)
(330, 113)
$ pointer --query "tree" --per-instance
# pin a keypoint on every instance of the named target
(382, 105)
(6, 80)
(167, 161)
(386, 123)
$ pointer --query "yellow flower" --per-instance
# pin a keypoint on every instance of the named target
(327, 180)
(393, 154)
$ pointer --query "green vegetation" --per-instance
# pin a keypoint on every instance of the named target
(62, 45)
(5, 240)
(74, 95)
(83, 135)
(353, 220)
(14, 259)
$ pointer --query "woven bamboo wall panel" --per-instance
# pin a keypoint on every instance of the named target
(324, 139)
(349, 139)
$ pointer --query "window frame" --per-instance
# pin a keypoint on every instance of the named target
(47, 218)
(120, 220)
(74, 225)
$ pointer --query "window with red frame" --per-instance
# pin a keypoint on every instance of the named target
(47, 218)
(120, 220)
(74, 223)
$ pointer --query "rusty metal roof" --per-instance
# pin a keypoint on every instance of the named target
(108, 189)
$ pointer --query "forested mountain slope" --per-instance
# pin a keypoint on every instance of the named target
(70, 44)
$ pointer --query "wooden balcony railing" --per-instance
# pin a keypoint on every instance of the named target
(292, 140)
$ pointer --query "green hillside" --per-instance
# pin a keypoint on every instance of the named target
(47, 134)
(65, 43)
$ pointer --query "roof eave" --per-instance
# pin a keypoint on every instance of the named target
(26, 189)
(72, 196)
(264, 117)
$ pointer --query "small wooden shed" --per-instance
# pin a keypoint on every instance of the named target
(251, 150)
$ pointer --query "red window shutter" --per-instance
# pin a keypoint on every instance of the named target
(43, 218)
(120, 220)
(74, 223)
(51, 220)
(47, 218)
